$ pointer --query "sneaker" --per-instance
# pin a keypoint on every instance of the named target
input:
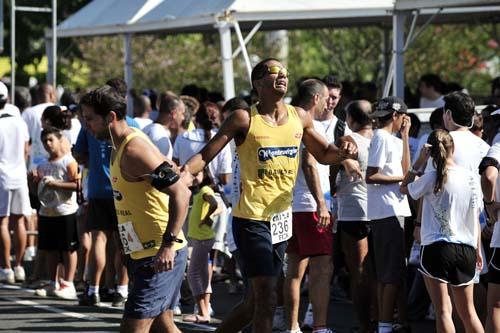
(66, 291)
(106, 296)
(118, 300)
(92, 300)
(19, 274)
(46, 291)
(7, 275)
(279, 323)
(177, 311)
(308, 322)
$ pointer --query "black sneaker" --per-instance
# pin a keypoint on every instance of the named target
(106, 296)
(92, 300)
(118, 300)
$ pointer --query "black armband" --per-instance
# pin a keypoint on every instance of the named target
(487, 162)
(164, 176)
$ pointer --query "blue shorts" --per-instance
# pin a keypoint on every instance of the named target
(258, 255)
(153, 293)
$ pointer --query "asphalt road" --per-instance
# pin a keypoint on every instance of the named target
(22, 311)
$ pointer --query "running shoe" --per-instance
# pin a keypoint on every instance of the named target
(19, 274)
(118, 300)
(177, 311)
(46, 291)
(66, 291)
(7, 276)
(92, 300)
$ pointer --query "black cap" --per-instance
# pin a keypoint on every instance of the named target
(387, 105)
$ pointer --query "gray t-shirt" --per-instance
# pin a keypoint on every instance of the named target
(352, 195)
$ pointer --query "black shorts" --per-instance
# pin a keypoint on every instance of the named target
(102, 215)
(449, 262)
(258, 255)
(57, 233)
(356, 229)
(389, 249)
(494, 266)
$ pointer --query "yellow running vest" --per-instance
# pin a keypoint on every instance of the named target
(269, 161)
(140, 206)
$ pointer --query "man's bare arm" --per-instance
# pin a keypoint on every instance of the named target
(235, 126)
(323, 152)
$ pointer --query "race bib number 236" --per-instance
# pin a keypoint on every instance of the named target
(281, 226)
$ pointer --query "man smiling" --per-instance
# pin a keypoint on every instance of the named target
(268, 139)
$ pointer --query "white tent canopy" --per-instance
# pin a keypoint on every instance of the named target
(104, 17)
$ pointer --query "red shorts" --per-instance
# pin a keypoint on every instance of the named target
(309, 240)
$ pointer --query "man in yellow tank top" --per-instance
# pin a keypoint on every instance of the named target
(145, 186)
(268, 139)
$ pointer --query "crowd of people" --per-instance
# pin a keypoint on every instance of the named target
(335, 186)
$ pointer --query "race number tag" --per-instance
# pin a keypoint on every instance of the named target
(281, 226)
(130, 240)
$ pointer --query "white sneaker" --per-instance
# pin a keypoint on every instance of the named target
(30, 253)
(7, 275)
(46, 291)
(19, 274)
(177, 311)
(66, 291)
(279, 323)
(308, 322)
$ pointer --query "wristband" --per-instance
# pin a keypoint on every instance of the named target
(169, 238)
(487, 203)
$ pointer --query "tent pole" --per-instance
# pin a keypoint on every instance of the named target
(53, 73)
(398, 47)
(227, 59)
(12, 51)
(129, 79)
(243, 50)
(248, 38)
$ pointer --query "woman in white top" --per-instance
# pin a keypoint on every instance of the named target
(450, 235)
(352, 209)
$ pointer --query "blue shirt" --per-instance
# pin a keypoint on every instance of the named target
(99, 152)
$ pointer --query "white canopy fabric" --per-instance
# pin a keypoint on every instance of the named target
(104, 17)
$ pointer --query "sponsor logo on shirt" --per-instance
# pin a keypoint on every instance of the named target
(274, 173)
(117, 195)
(268, 153)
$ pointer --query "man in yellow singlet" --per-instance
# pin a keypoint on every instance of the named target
(151, 202)
(268, 140)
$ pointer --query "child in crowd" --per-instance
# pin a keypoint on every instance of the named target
(57, 183)
(450, 238)
(202, 237)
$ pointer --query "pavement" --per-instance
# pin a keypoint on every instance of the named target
(22, 311)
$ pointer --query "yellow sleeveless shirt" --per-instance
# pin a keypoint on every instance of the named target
(140, 204)
(269, 161)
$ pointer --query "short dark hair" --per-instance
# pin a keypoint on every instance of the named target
(22, 97)
(104, 100)
(51, 130)
(462, 107)
(119, 85)
(168, 102)
(307, 90)
(332, 81)
(432, 80)
(436, 119)
(59, 117)
(235, 103)
(260, 69)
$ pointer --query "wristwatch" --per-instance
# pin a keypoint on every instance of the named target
(169, 238)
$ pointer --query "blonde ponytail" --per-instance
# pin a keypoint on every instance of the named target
(442, 147)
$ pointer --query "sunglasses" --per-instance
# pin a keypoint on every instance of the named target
(274, 70)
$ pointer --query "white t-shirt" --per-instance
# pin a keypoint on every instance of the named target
(329, 126)
(160, 136)
(427, 103)
(143, 122)
(452, 215)
(33, 118)
(76, 126)
(12, 110)
(59, 170)
(303, 200)
(352, 197)
(13, 137)
(385, 200)
(190, 143)
(494, 152)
